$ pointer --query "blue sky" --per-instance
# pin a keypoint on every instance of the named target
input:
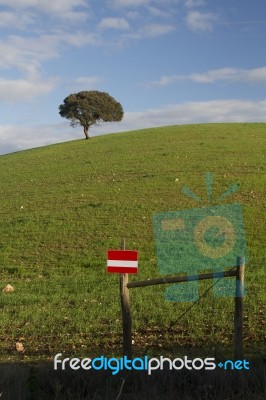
(167, 62)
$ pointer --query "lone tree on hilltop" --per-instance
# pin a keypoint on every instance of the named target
(90, 108)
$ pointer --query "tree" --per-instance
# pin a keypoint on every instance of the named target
(90, 108)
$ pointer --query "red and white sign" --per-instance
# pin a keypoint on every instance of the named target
(122, 261)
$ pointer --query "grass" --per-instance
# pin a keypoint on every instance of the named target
(43, 383)
(63, 206)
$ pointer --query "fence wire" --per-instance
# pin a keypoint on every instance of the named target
(196, 302)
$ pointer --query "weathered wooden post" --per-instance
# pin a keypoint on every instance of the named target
(126, 314)
(238, 319)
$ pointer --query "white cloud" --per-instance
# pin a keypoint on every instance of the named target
(24, 90)
(255, 75)
(150, 31)
(129, 3)
(27, 53)
(231, 75)
(14, 138)
(222, 74)
(78, 39)
(19, 137)
(64, 9)
(201, 21)
(89, 81)
(134, 15)
(194, 3)
(194, 112)
(10, 19)
(154, 30)
(227, 75)
(113, 23)
(157, 12)
(74, 16)
(166, 80)
(44, 5)
(19, 51)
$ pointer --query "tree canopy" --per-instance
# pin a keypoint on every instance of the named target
(90, 108)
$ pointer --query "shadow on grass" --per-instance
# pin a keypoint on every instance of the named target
(20, 381)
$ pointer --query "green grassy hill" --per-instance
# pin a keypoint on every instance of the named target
(63, 206)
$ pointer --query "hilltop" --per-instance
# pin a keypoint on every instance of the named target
(64, 205)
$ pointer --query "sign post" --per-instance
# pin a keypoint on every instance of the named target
(238, 318)
(124, 262)
(126, 313)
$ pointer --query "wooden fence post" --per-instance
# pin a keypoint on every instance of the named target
(126, 314)
(238, 320)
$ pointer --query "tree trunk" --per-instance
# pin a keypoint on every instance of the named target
(86, 130)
